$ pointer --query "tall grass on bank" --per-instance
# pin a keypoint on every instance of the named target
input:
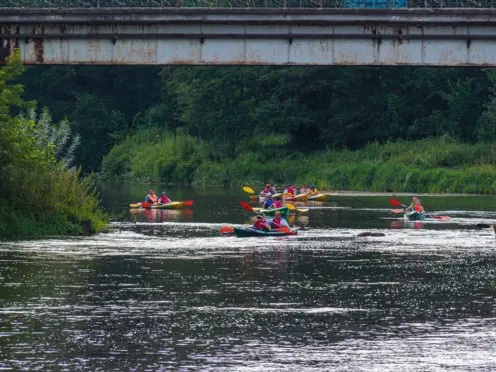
(39, 193)
(430, 165)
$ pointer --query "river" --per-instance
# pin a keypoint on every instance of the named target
(164, 290)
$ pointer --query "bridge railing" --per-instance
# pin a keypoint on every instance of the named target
(378, 4)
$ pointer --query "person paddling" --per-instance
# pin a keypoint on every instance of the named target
(164, 199)
(277, 203)
(266, 190)
(268, 201)
(261, 223)
(415, 206)
(313, 190)
(278, 221)
(290, 191)
(151, 197)
(305, 189)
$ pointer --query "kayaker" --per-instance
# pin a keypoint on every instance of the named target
(272, 190)
(261, 223)
(290, 191)
(268, 201)
(298, 190)
(151, 197)
(415, 206)
(278, 221)
(277, 203)
(313, 190)
(266, 190)
(305, 189)
(163, 199)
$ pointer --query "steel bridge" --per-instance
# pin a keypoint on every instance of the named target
(250, 32)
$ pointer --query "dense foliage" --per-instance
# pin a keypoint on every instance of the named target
(214, 125)
(39, 194)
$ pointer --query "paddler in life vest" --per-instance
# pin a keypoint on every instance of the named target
(277, 203)
(266, 190)
(313, 190)
(163, 198)
(290, 191)
(278, 221)
(151, 197)
(415, 206)
(268, 201)
(305, 189)
(261, 223)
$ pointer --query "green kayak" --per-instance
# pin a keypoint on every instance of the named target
(270, 212)
(414, 216)
(242, 232)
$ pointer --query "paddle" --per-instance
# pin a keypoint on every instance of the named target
(397, 203)
(188, 203)
(248, 207)
(226, 230)
(135, 205)
(249, 190)
(253, 197)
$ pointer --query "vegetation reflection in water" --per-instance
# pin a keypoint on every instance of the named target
(175, 294)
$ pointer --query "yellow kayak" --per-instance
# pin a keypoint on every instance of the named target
(297, 197)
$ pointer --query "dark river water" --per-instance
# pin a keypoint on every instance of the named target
(164, 290)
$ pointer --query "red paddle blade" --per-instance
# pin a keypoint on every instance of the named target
(146, 205)
(188, 203)
(226, 230)
(246, 206)
(395, 202)
(283, 229)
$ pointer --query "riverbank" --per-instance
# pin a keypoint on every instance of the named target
(436, 165)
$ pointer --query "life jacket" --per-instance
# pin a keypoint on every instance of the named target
(265, 191)
(259, 224)
(314, 192)
(164, 199)
(418, 208)
(278, 204)
(153, 198)
(268, 203)
(290, 190)
(276, 222)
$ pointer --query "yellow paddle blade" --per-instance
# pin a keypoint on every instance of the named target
(302, 210)
(135, 205)
(253, 197)
(291, 207)
(256, 209)
(276, 195)
(249, 190)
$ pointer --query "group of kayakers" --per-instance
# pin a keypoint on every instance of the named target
(154, 199)
(290, 190)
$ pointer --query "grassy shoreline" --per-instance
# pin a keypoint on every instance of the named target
(434, 165)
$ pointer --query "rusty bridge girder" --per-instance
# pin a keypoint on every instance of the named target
(166, 36)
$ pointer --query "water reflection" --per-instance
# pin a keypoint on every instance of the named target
(169, 292)
(161, 215)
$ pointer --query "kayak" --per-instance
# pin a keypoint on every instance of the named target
(270, 212)
(414, 216)
(242, 232)
(319, 197)
(171, 205)
(297, 197)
